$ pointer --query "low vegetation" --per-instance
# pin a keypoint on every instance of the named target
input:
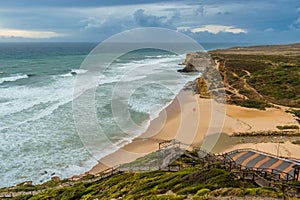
(287, 127)
(296, 113)
(258, 77)
(296, 142)
(193, 181)
(159, 185)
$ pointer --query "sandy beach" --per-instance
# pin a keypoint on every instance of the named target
(191, 119)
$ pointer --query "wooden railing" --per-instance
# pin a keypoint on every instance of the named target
(290, 159)
(273, 177)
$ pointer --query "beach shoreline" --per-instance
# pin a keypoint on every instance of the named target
(191, 120)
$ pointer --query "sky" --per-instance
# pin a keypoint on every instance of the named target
(238, 21)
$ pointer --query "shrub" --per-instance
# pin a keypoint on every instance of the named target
(201, 192)
(287, 127)
(296, 142)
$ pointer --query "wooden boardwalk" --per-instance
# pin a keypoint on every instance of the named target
(282, 168)
(262, 168)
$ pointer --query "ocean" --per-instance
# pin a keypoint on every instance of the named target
(38, 136)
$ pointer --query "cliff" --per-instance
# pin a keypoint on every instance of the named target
(195, 62)
(256, 77)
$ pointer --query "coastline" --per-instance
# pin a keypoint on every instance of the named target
(190, 119)
(164, 127)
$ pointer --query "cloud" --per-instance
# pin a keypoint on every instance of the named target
(215, 29)
(200, 10)
(184, 28)
(92, 22)
(97, 20)
(8, 33)
(143, 19)
(296, 24)
(269, 30)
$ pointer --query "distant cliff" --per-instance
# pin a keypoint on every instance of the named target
(257, 77)
(195, 62)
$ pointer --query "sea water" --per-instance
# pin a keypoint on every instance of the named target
(38, 137)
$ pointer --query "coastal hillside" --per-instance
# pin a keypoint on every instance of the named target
(194, 179)
(261, 76)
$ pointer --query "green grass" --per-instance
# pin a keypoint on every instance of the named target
(252, 104)
(152, 185)
(275, 77)
(263, 192)
(296, 113)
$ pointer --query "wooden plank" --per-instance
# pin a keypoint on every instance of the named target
(279, 162)
(245, 162)
(239, 155)
(284, 172)
(261, 162)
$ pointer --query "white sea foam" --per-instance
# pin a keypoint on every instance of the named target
(36, 101)
(13, 78)
(74, 72)
(37, 129)
(79, 71)
(66, 75)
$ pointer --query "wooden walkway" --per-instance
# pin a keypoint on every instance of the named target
(283, 168)
(262, 168)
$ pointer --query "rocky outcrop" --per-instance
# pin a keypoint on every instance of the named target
(210, 84)
(220, 64)
(203, 88)
(55, 178)
(26, 183)
(196, 62)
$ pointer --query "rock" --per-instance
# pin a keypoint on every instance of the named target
(75, 178)
(26, 183)
(195, 62)
(55, 178)
(44, 172)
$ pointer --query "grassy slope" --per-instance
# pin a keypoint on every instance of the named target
(267, 74)
(159, 185)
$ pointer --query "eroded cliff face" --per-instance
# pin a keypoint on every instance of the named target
(210, 83)
(220, 82)
(255, 77)
(203, 88)
(196, 62)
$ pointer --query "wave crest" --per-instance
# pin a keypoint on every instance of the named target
(12, 78)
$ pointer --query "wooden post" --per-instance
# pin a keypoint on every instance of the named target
(296, 172)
